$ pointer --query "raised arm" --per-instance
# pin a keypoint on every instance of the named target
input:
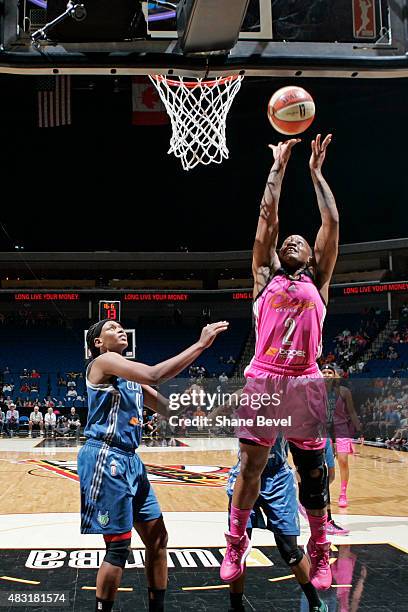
(264, 257)
(113, 364)
(327, 240)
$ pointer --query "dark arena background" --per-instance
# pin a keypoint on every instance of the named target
(99, 221)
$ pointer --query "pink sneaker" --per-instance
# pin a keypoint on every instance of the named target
(238, 548)
(320, 572)
(302, 511)
(334, 529)
(343, 503)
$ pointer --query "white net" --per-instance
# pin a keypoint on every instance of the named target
(198, 111)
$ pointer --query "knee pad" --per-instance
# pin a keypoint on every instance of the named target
(313, 490)
(117, 551)
(289, 549)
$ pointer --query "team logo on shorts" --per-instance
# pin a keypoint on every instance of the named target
(113, 469)
(103, 519)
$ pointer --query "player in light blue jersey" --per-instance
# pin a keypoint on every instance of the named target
(115, 492)
(277, 501)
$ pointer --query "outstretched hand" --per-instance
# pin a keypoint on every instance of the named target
(283, 150)
(319, 152)
(211, 331)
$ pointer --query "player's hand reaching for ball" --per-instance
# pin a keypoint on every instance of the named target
(211, 331)
(283, 150)
(319, 152)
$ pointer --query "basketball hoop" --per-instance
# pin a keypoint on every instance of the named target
(198, 111)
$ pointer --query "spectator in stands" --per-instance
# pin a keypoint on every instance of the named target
(8, 388)
(35, 374)
(392, 353)
(201, 371)
(71, 395)
(390, 423)
(231, 360)
(161, 426)
(50, 421)
(401, 434)
(12, 420)
(74, 423)
(36, 421)
(24, 374)
(2, 420)
(61, 381)
(151, 426)
(223, 378)
(34, 388)
(19, 402)
(197, 414)
(147, 423)
(25, 388)
(62, 427)
(73, 375)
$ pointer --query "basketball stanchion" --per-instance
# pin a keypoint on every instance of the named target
(198, 110)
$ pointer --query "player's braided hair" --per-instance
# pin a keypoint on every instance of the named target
(94, 332)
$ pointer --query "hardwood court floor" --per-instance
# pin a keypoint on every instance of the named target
(44, 483)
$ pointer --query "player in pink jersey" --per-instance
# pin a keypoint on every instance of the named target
(290, 292)
(345, 423)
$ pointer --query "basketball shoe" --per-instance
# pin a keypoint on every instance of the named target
(334, 529)
(320, 572)
(343, 502)
(238, 548)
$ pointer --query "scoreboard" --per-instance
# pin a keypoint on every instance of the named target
(109, 310)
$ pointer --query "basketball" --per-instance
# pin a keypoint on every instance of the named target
(291, 110)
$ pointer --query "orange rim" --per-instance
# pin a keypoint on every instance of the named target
(191, 84)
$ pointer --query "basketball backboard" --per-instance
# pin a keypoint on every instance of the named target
(308, 38)
(257, 24)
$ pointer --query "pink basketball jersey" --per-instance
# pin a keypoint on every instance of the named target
(341, 415)
(289, 316)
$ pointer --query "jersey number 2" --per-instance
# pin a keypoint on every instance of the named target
(290, 324)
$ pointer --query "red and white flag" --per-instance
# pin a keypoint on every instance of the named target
(147, 107)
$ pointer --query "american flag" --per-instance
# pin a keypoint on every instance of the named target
(54, 101)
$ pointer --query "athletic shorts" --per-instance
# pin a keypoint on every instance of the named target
(329, 454)
(115, 490)
(344, 445)
(297, 408)
(276, 508)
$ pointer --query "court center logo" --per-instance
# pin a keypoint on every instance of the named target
(185, 475)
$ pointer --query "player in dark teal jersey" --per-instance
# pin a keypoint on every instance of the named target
(115, 492)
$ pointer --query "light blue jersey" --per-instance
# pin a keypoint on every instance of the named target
(277, 459)
(277, 501)
(115, 490)
(115, 413)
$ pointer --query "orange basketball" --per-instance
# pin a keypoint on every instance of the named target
(291, 110)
